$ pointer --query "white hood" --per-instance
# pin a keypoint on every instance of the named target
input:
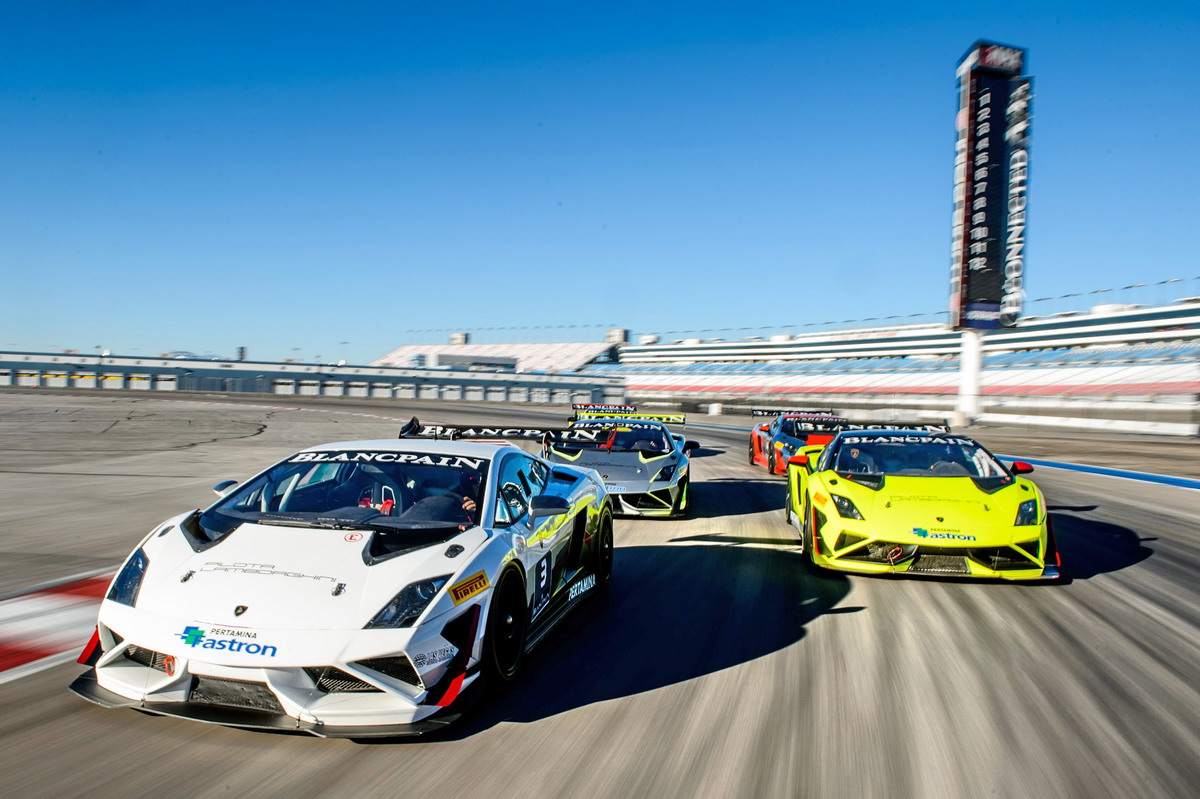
(286, 577)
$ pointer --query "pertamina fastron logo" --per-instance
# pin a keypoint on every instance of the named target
(463, 590)
(582, 587)
(921, 532)
(213, 639)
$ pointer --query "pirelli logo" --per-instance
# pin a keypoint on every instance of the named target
(477, 583)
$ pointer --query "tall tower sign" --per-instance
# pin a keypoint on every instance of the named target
(991, 171)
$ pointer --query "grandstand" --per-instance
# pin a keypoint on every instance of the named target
(1134, 368)
(1110, 324)
(1161, 371)
(1112, 351)
(1123, 363)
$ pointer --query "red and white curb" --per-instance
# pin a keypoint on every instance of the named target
(49, 624)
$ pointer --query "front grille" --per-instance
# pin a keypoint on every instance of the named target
(398, 668)
(234, 693)
(939, 564)
(655, 500)
(882, 552)
(331, 680)
(848, 540)
(147, 657)
(1003, 558)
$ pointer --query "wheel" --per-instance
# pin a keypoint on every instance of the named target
(508, 620)
(604, 554)
(787, 506)
(771, 462)
(752, 452)
(679, 509)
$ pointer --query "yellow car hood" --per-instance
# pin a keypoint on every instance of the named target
(946, 511)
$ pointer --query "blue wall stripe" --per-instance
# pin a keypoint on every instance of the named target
(1179, 482)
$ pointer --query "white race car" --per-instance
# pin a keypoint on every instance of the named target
(353, 589)
(643, 464)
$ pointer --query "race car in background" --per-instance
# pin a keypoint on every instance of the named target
(354, 589)
(921, 501)
(629, 412)
(593, 408)
(772, 443)
(645, 467)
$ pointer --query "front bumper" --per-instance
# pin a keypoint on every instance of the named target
(855, 550)
(86, 687)
(648, 499)
(365, 683)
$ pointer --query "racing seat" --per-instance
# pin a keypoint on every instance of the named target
(368, 486)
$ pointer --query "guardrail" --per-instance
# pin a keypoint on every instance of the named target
(61, 370)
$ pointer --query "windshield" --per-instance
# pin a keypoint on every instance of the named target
(632, 437)
(915, 456)
(378, 490)
(787, 425)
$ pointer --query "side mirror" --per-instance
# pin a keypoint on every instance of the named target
(801, 461)
(688, 446)
(544, 505)
(224, 487)
(763, 428)
(1021, 467)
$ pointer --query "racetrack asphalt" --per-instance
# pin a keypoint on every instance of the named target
(720, 664)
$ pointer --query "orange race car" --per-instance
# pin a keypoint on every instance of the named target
(772, 443)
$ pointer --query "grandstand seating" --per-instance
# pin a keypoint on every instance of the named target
(1138, 370)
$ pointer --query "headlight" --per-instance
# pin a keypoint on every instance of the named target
(125, 588)
(1027, 513)
(666, 472)
(845, 508)
(407, 605)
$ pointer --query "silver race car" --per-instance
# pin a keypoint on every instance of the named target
(644, 465)
(353, 589)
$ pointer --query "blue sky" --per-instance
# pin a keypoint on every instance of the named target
(324, 179)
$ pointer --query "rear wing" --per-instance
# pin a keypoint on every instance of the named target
(809, 412)
(612, 424)
(830, 426)
(414, 429)
(590, 408)
(666, 418)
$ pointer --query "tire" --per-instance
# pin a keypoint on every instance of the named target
(787, 506)
(771, 462)
(751, 451)
(603, 554)
(508, 622)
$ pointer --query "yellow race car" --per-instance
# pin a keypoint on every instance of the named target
(919, 501)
